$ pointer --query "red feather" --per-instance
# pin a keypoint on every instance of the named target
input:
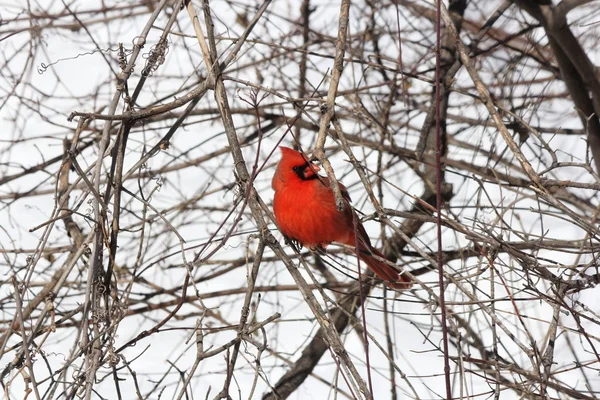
(305, 210)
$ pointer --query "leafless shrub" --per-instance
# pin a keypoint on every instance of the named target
(139, 254)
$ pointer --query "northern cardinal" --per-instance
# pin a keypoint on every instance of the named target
(305, 210)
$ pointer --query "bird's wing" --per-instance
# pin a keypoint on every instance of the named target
(325, 181)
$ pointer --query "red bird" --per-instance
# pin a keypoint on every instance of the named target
(305, 210)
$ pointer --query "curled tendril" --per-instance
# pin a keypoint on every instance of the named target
(122, 56)
(156, 57)
(44, 67)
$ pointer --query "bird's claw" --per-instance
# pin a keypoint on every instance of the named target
(296, 245)
(320, 249)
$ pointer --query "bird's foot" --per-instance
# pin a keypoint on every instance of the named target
(296, 245)
(320, 249)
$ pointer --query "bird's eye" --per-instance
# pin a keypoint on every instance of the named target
(297, 168)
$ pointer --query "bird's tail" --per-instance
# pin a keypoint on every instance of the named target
(386, 272)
